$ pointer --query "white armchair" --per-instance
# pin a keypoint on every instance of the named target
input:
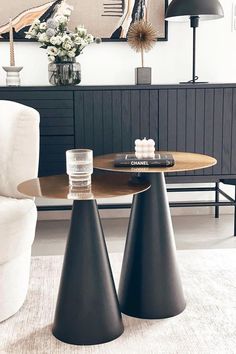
(19, 156)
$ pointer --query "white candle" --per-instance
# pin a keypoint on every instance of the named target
(144, 148)
(151, 142)
(11, 39)
(138, 148)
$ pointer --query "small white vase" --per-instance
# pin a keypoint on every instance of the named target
(13, 75)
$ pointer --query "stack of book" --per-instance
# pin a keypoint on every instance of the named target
(130, 160)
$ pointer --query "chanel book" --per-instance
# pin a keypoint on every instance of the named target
(130, 160)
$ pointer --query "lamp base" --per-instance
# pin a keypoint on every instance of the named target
(193, 83)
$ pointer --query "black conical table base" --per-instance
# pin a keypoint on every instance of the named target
(150, 285)
(87, 310)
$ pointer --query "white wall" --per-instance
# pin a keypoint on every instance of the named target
(114, 63)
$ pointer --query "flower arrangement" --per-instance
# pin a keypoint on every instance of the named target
(61, 44)
(142, 37)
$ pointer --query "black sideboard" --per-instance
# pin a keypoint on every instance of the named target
(195, 118)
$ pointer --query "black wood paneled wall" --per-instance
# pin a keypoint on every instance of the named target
(193, 118)
(110, 121)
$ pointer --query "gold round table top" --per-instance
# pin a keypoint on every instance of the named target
(105, 185)
(184, 161)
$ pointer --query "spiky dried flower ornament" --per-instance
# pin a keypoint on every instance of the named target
(141, 37)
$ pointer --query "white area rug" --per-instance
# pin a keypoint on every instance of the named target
(208, 325)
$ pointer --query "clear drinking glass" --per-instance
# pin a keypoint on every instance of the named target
(79, 167)
(81, 193)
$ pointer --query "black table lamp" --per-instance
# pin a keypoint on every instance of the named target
(193, 11)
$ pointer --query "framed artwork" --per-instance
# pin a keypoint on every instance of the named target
(107, 19)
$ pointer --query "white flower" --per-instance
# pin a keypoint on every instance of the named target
(36, 23)
(52, 51)
(78, 40)
(67, 45)
(56, 40)
(83, 43)
(32, 33)
(89, 38)
(64, 9)
(61, 53)
(43, 26)
(71, 53)
(67, 42)
(61, 19)
(51, 23)
(42, 37)
(55, 37)
(66, 38)
(67, 12)
(81, 31)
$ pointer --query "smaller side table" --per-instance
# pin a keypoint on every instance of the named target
(87, 310)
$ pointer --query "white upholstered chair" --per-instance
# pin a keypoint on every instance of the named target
(19, 155)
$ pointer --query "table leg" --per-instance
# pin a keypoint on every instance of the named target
(87, 310)
(150, 285)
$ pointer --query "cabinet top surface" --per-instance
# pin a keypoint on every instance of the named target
(103, 186)
(184, 161)
(115, 87)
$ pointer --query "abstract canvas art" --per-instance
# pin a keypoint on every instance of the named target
(107, 19)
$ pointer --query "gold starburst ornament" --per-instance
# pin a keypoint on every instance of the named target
(141, 37)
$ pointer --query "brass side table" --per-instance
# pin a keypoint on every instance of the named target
(87, 310)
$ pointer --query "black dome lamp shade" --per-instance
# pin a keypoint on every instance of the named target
(193, 11)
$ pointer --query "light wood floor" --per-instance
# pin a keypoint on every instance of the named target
(191, 232)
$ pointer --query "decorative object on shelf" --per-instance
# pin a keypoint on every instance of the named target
(62, 47)
(79, 167)
(110, 19)
(141, 37)
(195, 10)
(13, 75)
(13, 71)
(144, 148)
